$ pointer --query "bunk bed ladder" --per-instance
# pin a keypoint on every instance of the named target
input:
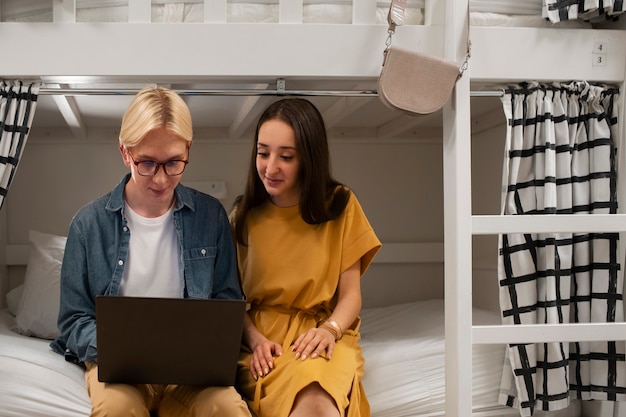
(461, 225)
(457, 224)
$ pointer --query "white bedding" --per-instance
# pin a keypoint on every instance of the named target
(176, 11)
(404, 354)
(403, 347)
(36, 382)
(526, 21)
(501, 13)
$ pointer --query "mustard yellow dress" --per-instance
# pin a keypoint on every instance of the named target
(290, 272)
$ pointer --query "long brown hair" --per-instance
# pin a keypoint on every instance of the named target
(322, 198)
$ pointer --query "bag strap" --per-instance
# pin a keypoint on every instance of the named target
(395, 18)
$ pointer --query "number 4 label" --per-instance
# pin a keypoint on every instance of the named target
(600, 47)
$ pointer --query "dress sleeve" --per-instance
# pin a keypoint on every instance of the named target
(360, 240)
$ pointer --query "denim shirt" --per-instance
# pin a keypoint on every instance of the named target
(97, 249)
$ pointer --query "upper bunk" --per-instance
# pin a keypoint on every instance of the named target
(260, 40)
(331, 48)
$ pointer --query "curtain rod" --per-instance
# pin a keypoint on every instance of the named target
(236, 92)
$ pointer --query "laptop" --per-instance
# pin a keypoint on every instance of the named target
(145, 340)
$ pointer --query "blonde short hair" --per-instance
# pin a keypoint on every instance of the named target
(153, 108)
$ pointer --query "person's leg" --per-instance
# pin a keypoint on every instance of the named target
(313, 400)
(121, 400)
(189, 401)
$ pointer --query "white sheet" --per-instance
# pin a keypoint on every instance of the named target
(501, 13)
(404, 368)
(36, 382)
(522, 20)
(403, 347)
(193, 12)
(404, 354)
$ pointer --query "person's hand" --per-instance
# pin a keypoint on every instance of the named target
(262, 361)
(313, 343)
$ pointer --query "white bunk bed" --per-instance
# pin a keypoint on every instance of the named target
(258, 44)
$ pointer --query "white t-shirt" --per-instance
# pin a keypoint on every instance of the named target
(152, 265)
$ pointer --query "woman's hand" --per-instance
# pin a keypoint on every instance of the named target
(263, 350)
(313, 343)
(321, 339)
(262, 361)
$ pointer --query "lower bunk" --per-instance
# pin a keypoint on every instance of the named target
(403, 346)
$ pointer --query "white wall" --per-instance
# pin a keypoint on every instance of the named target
(399, 184)
(487, 158)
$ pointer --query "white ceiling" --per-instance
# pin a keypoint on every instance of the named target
(96, 104)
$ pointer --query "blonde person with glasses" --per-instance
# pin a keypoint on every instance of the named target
(153, 237)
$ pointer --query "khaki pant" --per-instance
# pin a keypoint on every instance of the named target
(162, 400)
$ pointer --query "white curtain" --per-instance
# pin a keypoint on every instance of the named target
(560, 158)
(17, 109)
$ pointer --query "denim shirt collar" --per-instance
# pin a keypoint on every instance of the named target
(116, 200)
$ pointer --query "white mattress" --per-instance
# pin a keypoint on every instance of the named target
(404, 354)
(36, 382)
(507, 13)
(173, 11)
(403, 347)
(522, 20)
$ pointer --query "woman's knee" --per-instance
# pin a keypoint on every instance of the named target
(314, 400)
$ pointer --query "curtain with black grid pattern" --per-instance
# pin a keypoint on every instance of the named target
(17, 109)
(588, 10)
(560, 158)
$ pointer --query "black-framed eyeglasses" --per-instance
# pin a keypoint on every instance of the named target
(148, 168)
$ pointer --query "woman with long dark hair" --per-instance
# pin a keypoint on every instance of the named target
(303, 243)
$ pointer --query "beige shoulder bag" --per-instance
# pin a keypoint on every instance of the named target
(414, 82)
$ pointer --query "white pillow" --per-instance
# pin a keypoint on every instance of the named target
(38, 308)
(13, 298)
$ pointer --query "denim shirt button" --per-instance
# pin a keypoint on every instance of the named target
(120, 262)
(203, 252)
(125, 228)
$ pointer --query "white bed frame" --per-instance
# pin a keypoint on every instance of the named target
(294, 51)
